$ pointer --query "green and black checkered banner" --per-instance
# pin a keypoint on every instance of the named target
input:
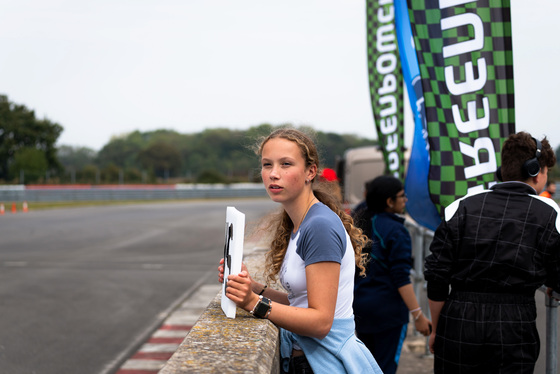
(386, 83)
(464, 51)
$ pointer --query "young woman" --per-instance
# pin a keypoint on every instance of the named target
(385, 297)
(314, 252)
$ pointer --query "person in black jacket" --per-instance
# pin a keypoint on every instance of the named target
(489, 255)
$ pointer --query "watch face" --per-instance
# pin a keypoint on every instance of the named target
(262, 307)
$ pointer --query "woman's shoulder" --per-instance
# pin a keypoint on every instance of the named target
(321, 229)
(320, 213)
(321, 217)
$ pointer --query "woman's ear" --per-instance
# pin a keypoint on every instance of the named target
(311, 172)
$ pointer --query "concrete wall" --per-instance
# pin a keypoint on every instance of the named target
(217, 344)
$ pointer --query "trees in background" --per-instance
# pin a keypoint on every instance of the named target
(27, 144)
(212, 156)
(28, 153)
(161, 158)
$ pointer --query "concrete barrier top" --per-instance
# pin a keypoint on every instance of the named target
(217, 344)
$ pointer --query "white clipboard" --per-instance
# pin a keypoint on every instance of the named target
(233, 253)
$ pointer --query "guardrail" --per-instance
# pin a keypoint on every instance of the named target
(421, 239)
(551, 304)
(20, 193)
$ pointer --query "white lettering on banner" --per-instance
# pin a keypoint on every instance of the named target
(468, 45)
(386, 64)
(385, 18)
(392, 142)
(385, 36)
(393, 157)
(389, 84)
(388, 125)
(473, 123)
(471, 84)
(394, 163)
(482, 145)
(479, 168)
(391, 100)
(383, 67)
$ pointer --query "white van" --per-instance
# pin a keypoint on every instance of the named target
(356, 167)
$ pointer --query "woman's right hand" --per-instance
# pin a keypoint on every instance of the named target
(240, 290)
(221, 271)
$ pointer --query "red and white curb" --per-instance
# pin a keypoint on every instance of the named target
(158, 349)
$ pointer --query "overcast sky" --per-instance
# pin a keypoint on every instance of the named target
(104, 68)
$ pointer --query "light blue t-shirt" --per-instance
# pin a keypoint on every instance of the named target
(321, 237)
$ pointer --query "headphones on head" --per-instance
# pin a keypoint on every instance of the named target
(531, 167)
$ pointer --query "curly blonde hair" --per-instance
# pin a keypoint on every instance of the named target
(281, 225)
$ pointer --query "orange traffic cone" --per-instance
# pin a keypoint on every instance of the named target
(25, 209)
(14, 209)
(2, 210)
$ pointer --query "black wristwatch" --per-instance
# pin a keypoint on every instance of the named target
(262, 308)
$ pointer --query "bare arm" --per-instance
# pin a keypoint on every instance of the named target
(435, 310)
(315, 320)
(272, 294)
(422, 324)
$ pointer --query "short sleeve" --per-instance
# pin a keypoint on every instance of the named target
(323, 237)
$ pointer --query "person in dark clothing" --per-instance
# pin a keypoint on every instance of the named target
(494, 249)
(385, 297)
(362, 215)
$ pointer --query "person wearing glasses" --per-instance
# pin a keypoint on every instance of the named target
(314, 252)
(384, 301)
(492, 251)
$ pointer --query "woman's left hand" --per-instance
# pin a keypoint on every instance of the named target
(423, 325)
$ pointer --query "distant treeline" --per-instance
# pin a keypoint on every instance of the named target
(162, 156)
(29, 155)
